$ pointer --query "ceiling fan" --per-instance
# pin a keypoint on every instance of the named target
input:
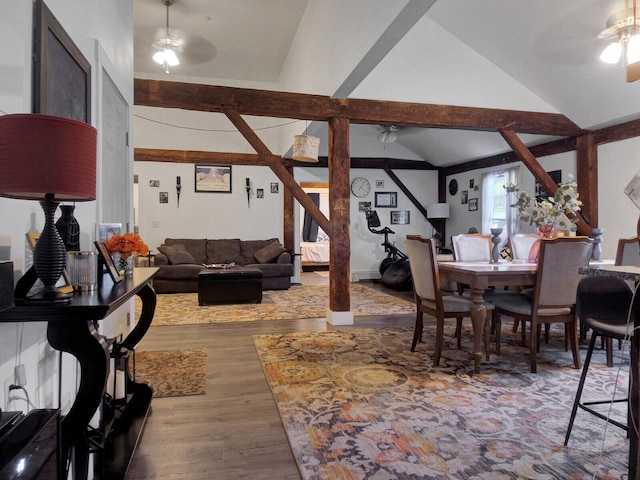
(622, 30)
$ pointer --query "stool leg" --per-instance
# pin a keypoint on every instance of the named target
(583, 377)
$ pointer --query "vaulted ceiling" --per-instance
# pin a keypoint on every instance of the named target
(530, 55)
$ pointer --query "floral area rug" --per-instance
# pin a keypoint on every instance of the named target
(297, 302)
(172, 373)
(358, 404)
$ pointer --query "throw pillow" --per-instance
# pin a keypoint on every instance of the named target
(177, 254)
(269, 253)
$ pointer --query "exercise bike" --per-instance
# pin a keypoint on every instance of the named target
(393, 253)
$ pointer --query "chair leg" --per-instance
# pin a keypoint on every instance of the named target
(487, 337)
(533, 347)
(459, 330)
(439, 340)
(515, 325)
(497, 328)
(417, 331)
(546, 333)
(583, 377)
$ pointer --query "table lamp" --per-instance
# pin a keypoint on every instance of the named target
(49, 159)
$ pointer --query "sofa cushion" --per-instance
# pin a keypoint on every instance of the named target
(224, 251)
(250, 247)
(269, 253)
(196, 247)
(177, 254)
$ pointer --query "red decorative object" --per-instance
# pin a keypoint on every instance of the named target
(543, 231)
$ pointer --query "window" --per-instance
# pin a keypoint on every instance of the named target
(496, 211)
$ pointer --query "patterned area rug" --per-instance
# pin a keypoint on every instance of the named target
(357, 404)
(173, 373)
(297, 302)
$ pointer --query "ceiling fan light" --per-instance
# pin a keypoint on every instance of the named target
(612, 53)
(633, 50)
(158, 57)
(171, 58)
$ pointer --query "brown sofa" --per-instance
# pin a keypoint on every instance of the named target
(180, 260)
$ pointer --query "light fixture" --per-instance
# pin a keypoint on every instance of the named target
(49, 159)
(305, 147)
(438, 210)
(622, 29)
(389, 134)
(167, 47)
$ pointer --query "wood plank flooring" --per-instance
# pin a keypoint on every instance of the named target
(234, 431)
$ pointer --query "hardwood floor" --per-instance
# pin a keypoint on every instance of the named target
(234, 431)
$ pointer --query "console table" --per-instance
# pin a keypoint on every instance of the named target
(70, 329)
(632, 274)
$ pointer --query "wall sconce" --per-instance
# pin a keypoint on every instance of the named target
(248, 187)
(178, 189)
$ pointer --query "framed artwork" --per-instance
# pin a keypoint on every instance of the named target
(107, 230)
(471, 183)
(107, 261)
(260, 192)
(379, 183)
(541, 193)
(473, 204)
(464, 197)
(400, 217)
(61, 74)
(213, 178)
(274, 187)
(154, 183)
(386, 199)
(364, 206)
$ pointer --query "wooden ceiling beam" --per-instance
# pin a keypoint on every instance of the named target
(212, 98)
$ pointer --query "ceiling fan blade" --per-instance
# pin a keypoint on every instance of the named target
(633, 72)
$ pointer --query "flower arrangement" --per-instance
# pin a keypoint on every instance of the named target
(129, 243)
(551, 213)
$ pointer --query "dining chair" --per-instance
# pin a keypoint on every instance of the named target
(554, 296)
(429, 297)
(603, 305)
(628, 252)
(471, 247)
(520, 245)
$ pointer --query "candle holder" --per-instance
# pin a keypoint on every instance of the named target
(495, 253)
(178, 189)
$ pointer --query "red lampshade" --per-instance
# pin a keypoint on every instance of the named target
(42, 154)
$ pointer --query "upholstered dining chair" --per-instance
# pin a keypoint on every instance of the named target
(520, 245)
(628, 252)
(554, 295)
(429, 297)
(472, 247)
(603, 305)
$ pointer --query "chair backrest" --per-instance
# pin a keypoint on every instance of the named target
(471, 247)
(628, 252)
(520, 245)
(558, 270)
(424, 267)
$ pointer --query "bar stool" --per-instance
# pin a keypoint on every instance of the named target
(603, 305)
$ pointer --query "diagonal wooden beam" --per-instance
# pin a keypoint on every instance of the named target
(406, 191)
(538, 171)
(279, 169)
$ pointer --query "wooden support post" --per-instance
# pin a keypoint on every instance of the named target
(587, 176)
(340, 248)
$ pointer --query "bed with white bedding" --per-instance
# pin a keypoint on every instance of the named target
(314, 253)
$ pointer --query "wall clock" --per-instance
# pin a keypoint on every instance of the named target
(360, 187)
(453, 187)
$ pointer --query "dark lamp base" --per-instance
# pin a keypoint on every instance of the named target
(45, 296)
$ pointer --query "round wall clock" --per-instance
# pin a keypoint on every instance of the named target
(453, 187)
(360, 187)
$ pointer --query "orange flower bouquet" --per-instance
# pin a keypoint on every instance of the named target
(129, 243)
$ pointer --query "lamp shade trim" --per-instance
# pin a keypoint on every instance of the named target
(42, 154)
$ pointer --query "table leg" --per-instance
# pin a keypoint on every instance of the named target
(478, 315)
(80, 339)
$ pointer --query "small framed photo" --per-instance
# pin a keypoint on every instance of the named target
(154, 183)
(106, 259)
(274, 187)
(400, 217)
(473, 204)
(213, 178)
(107, 230)
(386, 199)
(464, 197)
(164, 197)
(471, 183)
(260, 192)
(364, 206)
(379, 183)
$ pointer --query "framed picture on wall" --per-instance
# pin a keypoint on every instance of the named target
(464, 197)
(213, 178)
(400, 217)
(386, 199)
(473, 204)
(541, 193)
(104, 231)
(62, 76)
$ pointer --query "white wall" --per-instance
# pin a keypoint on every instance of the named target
(111, 24)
